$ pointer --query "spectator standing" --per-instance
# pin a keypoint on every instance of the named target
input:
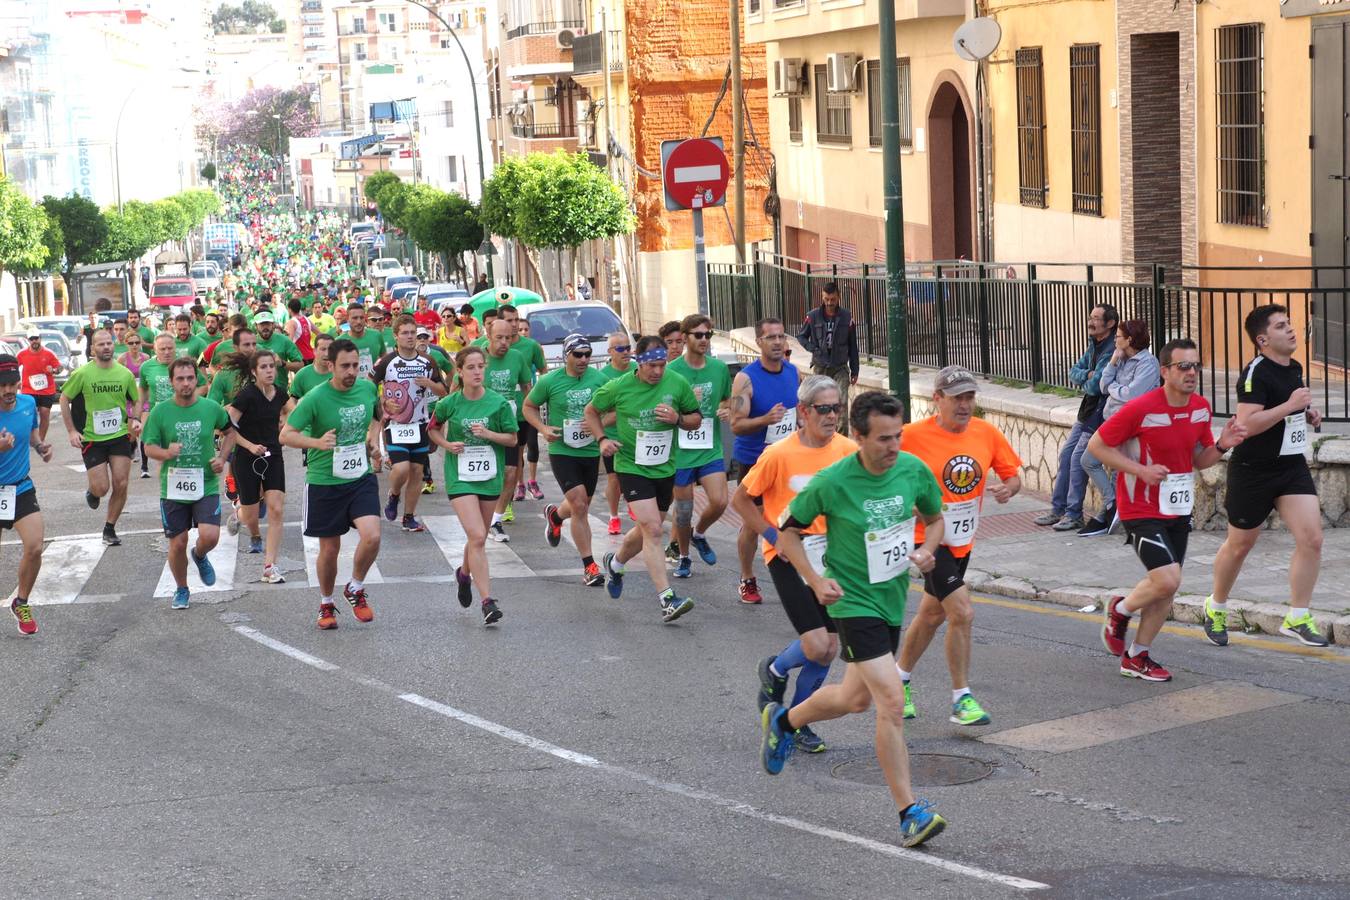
(830, 335)
(1131, 372)
(1066, 503)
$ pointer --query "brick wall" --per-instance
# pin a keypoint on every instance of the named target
(677, 56)
(1155, 157)
(532, 50)
(1142, 18)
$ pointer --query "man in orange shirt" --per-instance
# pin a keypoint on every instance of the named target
(761, 499)
(960, 450)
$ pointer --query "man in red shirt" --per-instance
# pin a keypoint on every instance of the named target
(38, 367)
(1155, 443)
(426, 316)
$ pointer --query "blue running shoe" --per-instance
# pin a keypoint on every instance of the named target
(705, 550)
(684, 568)
(391, 508)
(180, 598)
(255, 545)
(204, 569)
(920, 823)
(615, 579)
(776, 745)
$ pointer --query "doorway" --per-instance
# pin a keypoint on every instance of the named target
(1330, 177)
(951, 211)
(1155, 163)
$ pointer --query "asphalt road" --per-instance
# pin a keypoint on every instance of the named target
(584, 749)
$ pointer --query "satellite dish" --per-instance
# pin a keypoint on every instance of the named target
(976, 39)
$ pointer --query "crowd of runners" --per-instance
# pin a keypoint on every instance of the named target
(838, 497)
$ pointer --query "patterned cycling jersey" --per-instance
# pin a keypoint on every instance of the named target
(398, 378)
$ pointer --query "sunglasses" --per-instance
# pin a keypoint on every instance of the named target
(624, 349)
(581, 354)
(700, 335)
(1186, 366)
(827, 409)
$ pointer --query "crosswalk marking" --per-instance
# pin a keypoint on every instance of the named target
(450, 537)
(603, 542)
(66, 566)
(224, 558)
(349, 542)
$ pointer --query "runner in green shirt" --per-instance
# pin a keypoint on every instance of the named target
(156, 385)
(473, 426)
(620, 363)
(698, 454)
(652, 404)
(271, 338)
(146, 332)
(870, 501)
(338, 425)
(317, 372)
(534, 356)
(509, 375)
(96, 398)
(185, 342)
(369, 344)
(573, 451)
(179, 435)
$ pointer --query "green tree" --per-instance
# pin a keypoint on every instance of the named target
(83, 229)
(447, 224)
(23, 225)
(376, 182)
(392, 201)
(209, 171)
(132, 232)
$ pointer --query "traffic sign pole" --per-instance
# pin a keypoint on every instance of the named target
(700, 259)
(694, 174)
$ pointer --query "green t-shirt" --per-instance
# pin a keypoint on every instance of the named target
(505, 374)
(566, 398)
(119, 349)
(858, 507)
(479, 342)
(326, 409)
(147, 335)
(307, 379)
(194, 427)
(458, 413)
(370, 346)
(224, 385)
(610, 373)
(192, 348)
(157, 383)
(103, 391)
(533, 352)
(441, 359)
(635, 401)
(711, 385)
(390, 342)
(286, 351)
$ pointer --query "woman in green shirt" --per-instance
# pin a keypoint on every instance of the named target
(472, 426)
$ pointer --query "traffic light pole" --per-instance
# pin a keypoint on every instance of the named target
(893, 198)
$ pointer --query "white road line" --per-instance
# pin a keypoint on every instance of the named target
(254, 635)
(669, 787)
(223, 558)
(56, 538)
(66, 567)
(450, 537)
(349, 542)
(603, 542)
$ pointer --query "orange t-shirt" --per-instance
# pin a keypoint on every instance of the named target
(784, 469)
(961, 463)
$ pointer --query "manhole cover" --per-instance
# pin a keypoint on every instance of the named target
(926, 770)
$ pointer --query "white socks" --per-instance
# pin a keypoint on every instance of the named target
(904, 676)
(1137, 650)
(959, 693)
(1296, 614)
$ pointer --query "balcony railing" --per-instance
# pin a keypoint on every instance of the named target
(539, 28)
(588, 53)
(548, 130)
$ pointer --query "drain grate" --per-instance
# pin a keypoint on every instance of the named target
(926, 770)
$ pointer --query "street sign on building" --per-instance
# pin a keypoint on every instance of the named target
(694, 173)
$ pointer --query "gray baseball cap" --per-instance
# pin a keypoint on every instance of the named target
(955, 380)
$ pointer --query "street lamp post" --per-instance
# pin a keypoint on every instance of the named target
(477, 126)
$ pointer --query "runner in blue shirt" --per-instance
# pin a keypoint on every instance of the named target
(18, 498)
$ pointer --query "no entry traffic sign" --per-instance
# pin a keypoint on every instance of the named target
(694, 173)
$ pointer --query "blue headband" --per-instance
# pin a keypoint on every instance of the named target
(652, 354)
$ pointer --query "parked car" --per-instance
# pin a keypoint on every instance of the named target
(551, 322)
(205, 276)
(441, 293)
(52, 340)
(173, 292)
(383, 267)
(404, 291)
(399, 280)
(363, 232)
(71, 327)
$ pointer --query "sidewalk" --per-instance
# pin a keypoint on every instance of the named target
(1015, 558)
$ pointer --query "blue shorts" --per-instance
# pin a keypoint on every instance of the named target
(686, 477)
(179, 517)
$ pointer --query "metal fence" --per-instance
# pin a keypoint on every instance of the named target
(1027, 323)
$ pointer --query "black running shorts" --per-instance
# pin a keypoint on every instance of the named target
(640, 487)
(865, 637)
(1253, 489)
(1159, 542)
(330, 509)
(571, 471)
(96, 453)
(254, 475)
(948, 575)
(799, 602)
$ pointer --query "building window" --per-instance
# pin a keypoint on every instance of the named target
(359, 51)
(834, 115)
(388, 22)
(358, 25)
(1085, 92)
(1031, 127)
(451, 169)
(788, 4)
(448, 113)
(1241, 124)
(795, 119)
(874, 103)
(752, 7)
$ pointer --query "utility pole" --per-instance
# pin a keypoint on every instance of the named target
(897, 293)
(738, 130)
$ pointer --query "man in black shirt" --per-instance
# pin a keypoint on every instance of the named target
(1268, 471)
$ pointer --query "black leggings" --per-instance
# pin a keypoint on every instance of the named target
(528, 435)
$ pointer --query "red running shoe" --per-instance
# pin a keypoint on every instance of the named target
(22, 612)
(1113, 631)
(1142, 666)
(750, 592)
(327, 616)
(615, 526)
(591, 576)
(552, 532)
(360, 608)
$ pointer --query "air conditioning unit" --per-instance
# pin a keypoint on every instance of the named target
(789, 79)
(566, 38)
(841, 72)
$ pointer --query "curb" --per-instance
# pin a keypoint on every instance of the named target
(1244, 615)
